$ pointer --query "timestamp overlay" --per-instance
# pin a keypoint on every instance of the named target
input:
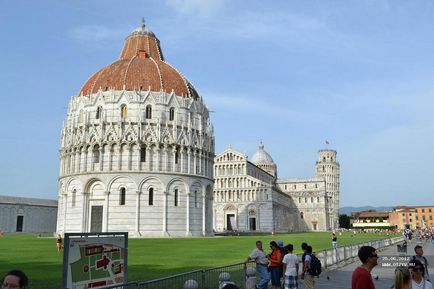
(393, 261)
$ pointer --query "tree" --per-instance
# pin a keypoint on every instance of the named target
(344, 221)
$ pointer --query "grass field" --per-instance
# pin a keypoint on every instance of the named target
(152, 258)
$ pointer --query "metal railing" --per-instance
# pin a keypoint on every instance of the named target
(211, 278)
(199, 279)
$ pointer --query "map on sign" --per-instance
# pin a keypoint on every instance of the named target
(96, 262)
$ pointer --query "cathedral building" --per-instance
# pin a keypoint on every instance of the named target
(137, 149)
(249, 197)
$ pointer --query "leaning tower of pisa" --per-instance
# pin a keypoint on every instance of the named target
(327, 167)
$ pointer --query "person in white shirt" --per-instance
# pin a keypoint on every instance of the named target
(417, 274)
(261, 260)
(290, 268)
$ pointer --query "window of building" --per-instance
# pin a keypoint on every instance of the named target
(175, 198)
(81, 116)
(403, 214)
(122, 194)
(143, 154)
(299, 200)
(176, 156)
(98, 112)
(430, 217)
(124, 111)
(417, 217)
(316, 186)
(415, 210)
(195, 199)
(311, 199)
(429, 210)
(172, 113)
(295, 187)
(148, 113)
(305, 200)
(423, 210)
(317, 199)
(305, 186)
(96, 154)
(301, 215)
(74, 198)
(20, 222)
(151, 196)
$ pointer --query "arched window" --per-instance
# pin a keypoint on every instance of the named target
(195, 199)
(172, 113)
(122, 194)
(176, 155)
(143, 154)
(151, 196)
(81, 116)
(74, 198)
(124, 111)
(301, 215)
(176, 198)
(148, 114)
(98, 112)
(96, 154)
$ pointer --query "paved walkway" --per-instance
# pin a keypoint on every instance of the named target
(340, 278)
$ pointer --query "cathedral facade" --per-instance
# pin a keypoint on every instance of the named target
(137, 149)
(248, 196)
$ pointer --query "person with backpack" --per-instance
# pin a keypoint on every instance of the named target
(309, 281)
(419, 256)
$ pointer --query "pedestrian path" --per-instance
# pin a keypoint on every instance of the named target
(383, 273)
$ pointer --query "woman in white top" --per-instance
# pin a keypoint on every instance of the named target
(417, 273)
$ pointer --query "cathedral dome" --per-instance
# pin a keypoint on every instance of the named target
(261, 156)
(141, 67)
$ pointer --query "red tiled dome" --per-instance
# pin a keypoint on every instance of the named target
(141, 67)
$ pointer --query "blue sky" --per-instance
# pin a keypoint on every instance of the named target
(290, 73)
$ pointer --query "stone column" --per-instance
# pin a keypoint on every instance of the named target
(187, 217)
(203, 212)
(84, 219)
(106, 215)
(182, 155)
(101, 156)
(165, 194)
(148, 157)
(65, 208)
(138, 193)
(189, 160)
(157, 152)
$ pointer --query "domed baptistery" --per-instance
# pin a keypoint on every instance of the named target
(137, 149)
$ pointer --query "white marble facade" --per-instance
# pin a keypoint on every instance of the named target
(248, 196)
(137, 150)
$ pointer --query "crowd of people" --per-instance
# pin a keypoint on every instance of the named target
(282, 263)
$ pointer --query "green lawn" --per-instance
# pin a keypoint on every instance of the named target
(152, 258)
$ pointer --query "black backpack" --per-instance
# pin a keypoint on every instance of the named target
(315, 266)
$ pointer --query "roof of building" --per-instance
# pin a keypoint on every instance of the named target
(262, 157)
(369, 214)
(27, 201)
(141, 66)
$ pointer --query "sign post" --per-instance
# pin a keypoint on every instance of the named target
(93, 260)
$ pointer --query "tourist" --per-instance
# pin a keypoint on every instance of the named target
(303, 247)
(59, 243)
(419, 256)
(275, 258)
(361, 278)
(15, 279)
(309, 281)
(334, 241)
(417, 274)
(261, 260)
(290, 268)
(402, 278)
